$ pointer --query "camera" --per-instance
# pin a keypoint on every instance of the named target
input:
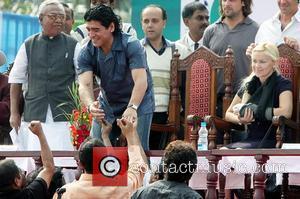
(253, 107)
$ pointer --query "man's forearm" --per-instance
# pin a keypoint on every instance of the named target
(86, 94)
(134, 140)
(46, 154)
(15, 94)
(138, 92)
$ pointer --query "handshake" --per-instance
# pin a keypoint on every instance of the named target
(252, 107)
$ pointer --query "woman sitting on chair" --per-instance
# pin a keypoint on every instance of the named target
(263, 94)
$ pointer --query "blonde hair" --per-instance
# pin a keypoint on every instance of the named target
(268, 49)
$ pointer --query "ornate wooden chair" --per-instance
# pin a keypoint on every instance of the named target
(199, 70)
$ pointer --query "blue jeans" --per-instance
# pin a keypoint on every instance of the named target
(143, 129)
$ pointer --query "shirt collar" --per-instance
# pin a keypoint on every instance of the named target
(247, 21)
(275, 18)
(117, 43)
(191, 43)
(166, 43)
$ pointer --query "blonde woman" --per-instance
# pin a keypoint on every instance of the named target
(264, 94)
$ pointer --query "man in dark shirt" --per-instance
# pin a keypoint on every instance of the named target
(179, 164)
(12, 180)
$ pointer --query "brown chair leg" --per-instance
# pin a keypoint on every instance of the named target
(260, 177)
(222, 182)
(212, 177)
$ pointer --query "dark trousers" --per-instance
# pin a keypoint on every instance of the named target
(158, 140)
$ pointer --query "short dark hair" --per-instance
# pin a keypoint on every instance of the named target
(163, 11)
(71, 10)
(110, 1)
(179, 153)
(246, 8)
(86, 153)
(8, 172)
(191, 7)
(105, 15)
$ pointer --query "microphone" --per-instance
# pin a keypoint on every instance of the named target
(2, 58)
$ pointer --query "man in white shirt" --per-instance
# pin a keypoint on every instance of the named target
(46, 63)
(282, 28)
(195, 17)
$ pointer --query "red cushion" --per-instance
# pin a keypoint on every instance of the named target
(199, 88)
(286, 68)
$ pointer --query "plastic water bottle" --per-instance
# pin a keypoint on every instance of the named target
(202, 141)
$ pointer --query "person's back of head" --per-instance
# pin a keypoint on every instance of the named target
(180, 161)
(10, 176)
(158, 174)
(102, 2)
(86, 153)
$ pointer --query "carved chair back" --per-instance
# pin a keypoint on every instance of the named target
(200, 71)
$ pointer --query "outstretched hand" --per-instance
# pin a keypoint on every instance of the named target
(250, 49)
(127, 127)
(96, 112)
(36, 127)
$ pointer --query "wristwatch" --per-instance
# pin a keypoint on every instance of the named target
(133, 106)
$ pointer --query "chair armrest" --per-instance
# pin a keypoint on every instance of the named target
(216, 125)
(281, 120)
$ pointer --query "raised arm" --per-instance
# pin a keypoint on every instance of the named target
(129, 131)
(46, 154)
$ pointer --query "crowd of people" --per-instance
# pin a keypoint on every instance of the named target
(134, 80)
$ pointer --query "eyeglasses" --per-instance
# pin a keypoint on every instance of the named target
(54, 17)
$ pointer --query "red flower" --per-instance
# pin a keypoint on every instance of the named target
(80, 120)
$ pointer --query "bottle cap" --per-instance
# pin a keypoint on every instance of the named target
(203, 124)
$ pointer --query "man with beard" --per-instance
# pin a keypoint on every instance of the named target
(236, 29)
(195, 17)
(45, 62)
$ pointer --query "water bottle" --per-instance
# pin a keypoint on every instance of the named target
(202, 141)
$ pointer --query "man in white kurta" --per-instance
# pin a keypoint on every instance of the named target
(45, 63)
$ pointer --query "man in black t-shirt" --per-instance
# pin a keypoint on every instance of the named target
(12, 180)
